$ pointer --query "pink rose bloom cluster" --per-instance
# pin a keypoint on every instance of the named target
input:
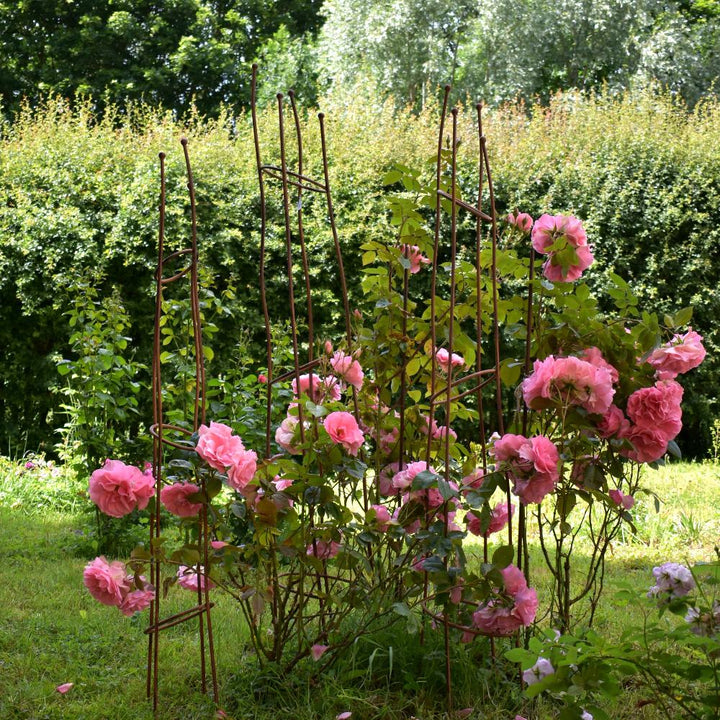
(415, 256)
(532, 464)
(111, 584)
(682, 353)
(512, 608)
(498, 520)
(522, 221)
(220, 448)
(175, 498)
(671, 581)
(189, 579)
(446, 360)
(284, 434)
(323, 549)
(656, 418)
(556, 234)
(402, 479)
(348, 369)
(117, 489)
(343, 429)
(569, 380)
(382, 517)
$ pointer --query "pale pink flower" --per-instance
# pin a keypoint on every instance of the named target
(175, 498)
(541, 669)
(188, 578)
(218, 544)
(568, 380)
(388, 440)
(328, 347)
(117, 489)
(415, 256)
(672, 580)
(442, 431)
(445, 360)
(532, 464)
(323, 549)
(317, 651)
(242, 471)
(62, 689)
(106, 582)
(218, 446)
(403, 478)
(285, 433)
(474, 480)
(281, 483)
(343, 429)
(347, 368)
(343, 715)
(385, 479)
(498, 520)
(682, 353)
(327, 388)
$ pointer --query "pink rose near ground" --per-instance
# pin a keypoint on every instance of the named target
(118, 489)
(106, 582)
(498, 617)
(323, 549)
(175, 498)
(218, 446)
(498, 520)
(189, 579)
(563, 239)
(343, 429)
(682, 353)
(568, 380)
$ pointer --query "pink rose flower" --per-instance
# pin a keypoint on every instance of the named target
(613, 424)
(382, 517)
(626, 501)
(189, 579)
(242, 471)
(568, 380)
(117, 489)
(682, 353)
(175, 498)
(137, 601)
(474, 480)
(657, 408)
(403, 478)
(218, 446)
(532, 464)
(323, 549)
(522, 221)
(385, 479)
(416, 258)
(106, 582)
(262, 379)
(343, 429)
(327, 388)
(595, 357)
(555, 234)
(445, 360)
(649, 444)
(284, 434)
(347, 368)
(498, 520)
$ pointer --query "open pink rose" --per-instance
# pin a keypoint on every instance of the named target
(613, 424)
(658, 408)
(532, 464)
(317, 388)
(106, 582)
(563, 239)
(117, 489)
(175, 498)
(402, 479)
(382, 517)
(568, 380)
(682, 353)
(498, 520)
(137, 601)
(595, 357)
(649, 444)
(343, 429)
(218, 446)
(242, 471)
(626, 501)
(348, 369)
(497, 617)
(285, 433)
(323, 549)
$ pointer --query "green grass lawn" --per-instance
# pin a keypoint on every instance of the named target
(53, 632)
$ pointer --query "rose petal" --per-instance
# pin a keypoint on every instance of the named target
(62, 689)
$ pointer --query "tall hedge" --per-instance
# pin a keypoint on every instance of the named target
(79, 196)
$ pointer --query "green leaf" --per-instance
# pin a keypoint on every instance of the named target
(674, 450)
(682, 317)
(503, 556)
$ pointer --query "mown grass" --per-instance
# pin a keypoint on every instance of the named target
(52, 632)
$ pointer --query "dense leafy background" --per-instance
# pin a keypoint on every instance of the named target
(78, 200)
